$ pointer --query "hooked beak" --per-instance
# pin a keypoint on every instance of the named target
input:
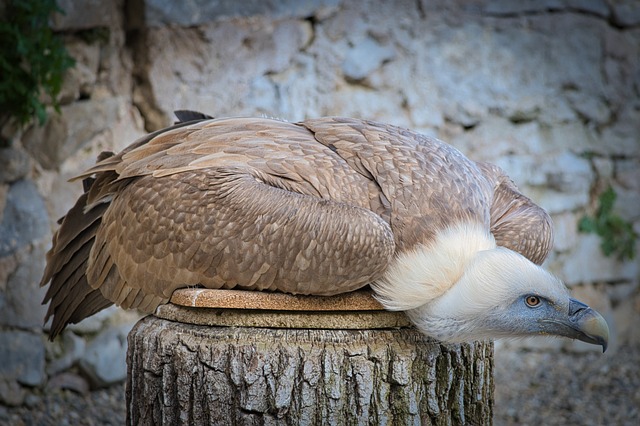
(582, 323)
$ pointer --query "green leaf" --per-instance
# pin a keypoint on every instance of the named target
(34, 60)
(617, 235)
(607, 200)
(587, 225)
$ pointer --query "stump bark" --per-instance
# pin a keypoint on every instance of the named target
(181, 373)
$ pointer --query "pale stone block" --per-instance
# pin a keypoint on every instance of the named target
(85, 14)
(587, 264)
(104, 360)
(22, 358)
(365, 57)
(198, 12)
(565, 229)
(63, 134)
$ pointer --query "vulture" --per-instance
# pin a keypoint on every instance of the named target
(320, 207)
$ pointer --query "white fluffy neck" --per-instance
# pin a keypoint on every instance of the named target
(492, 278)
(480, 304)
(419, 276)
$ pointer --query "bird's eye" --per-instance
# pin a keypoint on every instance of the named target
(532, 301)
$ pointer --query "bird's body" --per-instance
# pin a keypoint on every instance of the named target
(321, 207)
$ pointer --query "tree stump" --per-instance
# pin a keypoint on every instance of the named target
(221, 357)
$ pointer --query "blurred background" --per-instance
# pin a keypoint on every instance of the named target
(547, 89)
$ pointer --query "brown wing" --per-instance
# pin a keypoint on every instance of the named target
(517, 222)
(246, 203)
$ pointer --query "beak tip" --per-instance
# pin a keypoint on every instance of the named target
(597, 330)
(591, 327)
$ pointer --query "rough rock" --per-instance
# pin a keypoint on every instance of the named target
(181, 61)
(627, 203)
(22, 358)
(622, 292)
(353, 101)
(198, 12)
(85, 14)
(64, 352)
(511, 8)
(591, 108)
(620, 69)
(11, 393)
(79, 81)
(586, 263)
(104, 360)
(565, 172)
(15, 164)
(561, 183)
(627, 173)
(64, 134)
(24, 218)
(626, 184)
(621, 138)
(21, 298)
(364, 58)
(69, 381)
(625, 315)
(604, 168)
(502, 76)
(572, 137)
(496, 137)
(626, 13)
(565, 230)
(8, 265)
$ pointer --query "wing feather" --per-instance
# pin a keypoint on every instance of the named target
(256, 228)
(517, 222)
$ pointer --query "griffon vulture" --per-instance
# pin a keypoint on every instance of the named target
(320, 207)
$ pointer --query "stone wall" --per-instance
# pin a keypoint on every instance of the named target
(549, 90)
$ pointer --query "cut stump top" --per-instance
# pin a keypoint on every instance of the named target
(239, 308)
(361, 300)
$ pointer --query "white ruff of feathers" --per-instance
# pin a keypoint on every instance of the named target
(419, 276)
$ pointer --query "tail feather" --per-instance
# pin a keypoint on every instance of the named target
(186, 116)
(67, 278)
(86, 302)
(69, 295)
(62, 309)
(56, 292)
(79, 220)
(93, 303)
(76, 226)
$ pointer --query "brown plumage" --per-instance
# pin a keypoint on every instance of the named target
(317, 207)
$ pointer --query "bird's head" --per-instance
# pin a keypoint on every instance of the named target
(503, 294)
(489, 292)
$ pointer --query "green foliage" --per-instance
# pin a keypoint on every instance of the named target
(32, 60)
(618, 236)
